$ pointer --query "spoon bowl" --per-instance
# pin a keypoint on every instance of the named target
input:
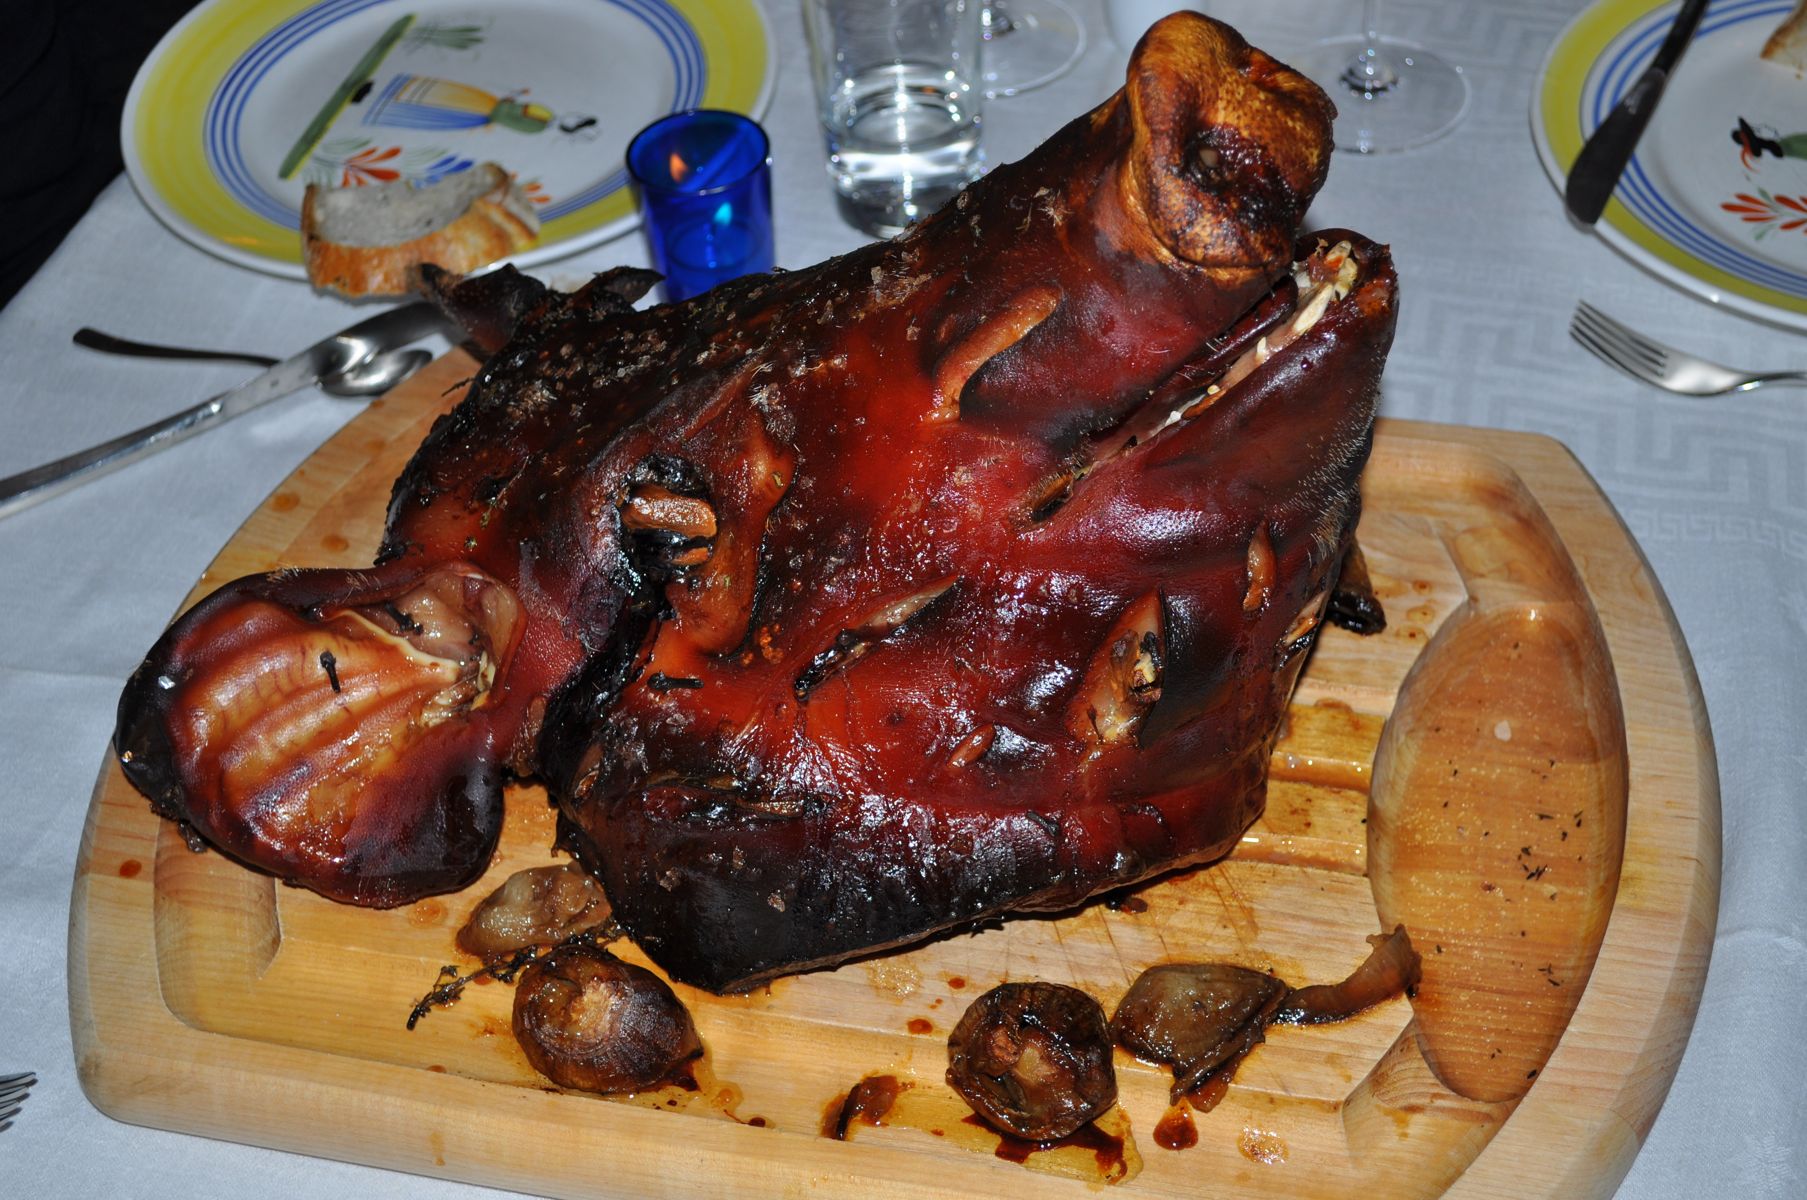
(374, 375)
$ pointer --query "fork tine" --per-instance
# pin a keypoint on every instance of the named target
(7, 1114)
(1637, 369)
(1611, 332)
(1643, 342)
(25, 1077)
(1628, 344)
(1603, 320)
(8, 1095)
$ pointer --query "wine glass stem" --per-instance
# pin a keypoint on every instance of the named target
(1373, 71)
(996, 20)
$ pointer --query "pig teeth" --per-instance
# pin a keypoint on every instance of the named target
(1315, 303)
(650, 507)
(1344, 255)
(1324, 278)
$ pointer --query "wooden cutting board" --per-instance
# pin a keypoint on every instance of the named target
(1521, 762)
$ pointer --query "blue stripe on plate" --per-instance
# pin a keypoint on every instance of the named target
(1637, 190)
(691, 80)
(224, 116)
(225, 112)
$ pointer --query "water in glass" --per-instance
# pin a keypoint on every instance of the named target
(903, 138)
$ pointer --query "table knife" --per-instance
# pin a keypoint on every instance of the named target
(1602, 160)
(387, 330)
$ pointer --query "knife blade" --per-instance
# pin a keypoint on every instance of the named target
(387, 330)
(1602, 160)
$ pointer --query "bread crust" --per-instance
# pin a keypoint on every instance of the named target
(496, 224)
(1787, 46)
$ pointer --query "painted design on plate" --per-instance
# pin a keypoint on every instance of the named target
(425, 95)
(219, 105)
(414, 102)
(1765, 212)
(447, 37)
(1768, 212)
(423, 102)
(358, 161)
(353, 87)
(1754, 141)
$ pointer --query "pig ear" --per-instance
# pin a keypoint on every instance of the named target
(492, 306)
(335, 728)
(489, 307)
(1230, 146)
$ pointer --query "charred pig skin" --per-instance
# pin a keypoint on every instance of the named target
(1008, 637)
(977, 705)
(964, 574)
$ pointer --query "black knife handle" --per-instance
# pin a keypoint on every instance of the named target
(94, 339)
(1596, 170)
(1598, 167)
(1680, 34)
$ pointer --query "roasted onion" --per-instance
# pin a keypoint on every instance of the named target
(537, 907)
(1200, 1017)
(1391, 968)
(1204, 1018)
(587, 1020)
(1034, 1059)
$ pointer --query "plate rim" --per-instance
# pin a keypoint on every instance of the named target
(213, 243)
(1558, 93)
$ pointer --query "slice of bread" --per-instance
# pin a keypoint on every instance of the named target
(365, 241)
(1787, 46)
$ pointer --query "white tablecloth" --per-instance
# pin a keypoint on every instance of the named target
(1715, 491)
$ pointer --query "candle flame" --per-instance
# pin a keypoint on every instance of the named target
(680, 170)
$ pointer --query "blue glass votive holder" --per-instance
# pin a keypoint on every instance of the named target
(706, 197)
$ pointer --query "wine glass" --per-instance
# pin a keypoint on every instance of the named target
(1027, 43)
(1390, 94)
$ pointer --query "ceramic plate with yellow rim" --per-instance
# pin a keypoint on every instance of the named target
(1715, 199)
(246, 102)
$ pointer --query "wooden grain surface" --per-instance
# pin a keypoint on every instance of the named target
(1528, 644)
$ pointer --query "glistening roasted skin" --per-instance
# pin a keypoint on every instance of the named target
(349, 731)
(846, 605)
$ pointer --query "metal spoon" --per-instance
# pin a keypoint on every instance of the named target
(365, 377)
(370, 377)
(376, 374)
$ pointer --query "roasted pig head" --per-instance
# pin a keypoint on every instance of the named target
(1020, 527)
(965, 574)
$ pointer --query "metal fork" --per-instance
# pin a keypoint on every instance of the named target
(1652, 362)
(13, 1090)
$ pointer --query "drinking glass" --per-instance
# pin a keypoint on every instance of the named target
(898, 96)
(1390, 94)
(706, 194)
(1028, 43)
